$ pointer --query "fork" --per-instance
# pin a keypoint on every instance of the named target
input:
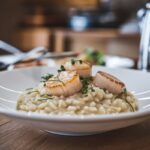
(9, 48)
(19, 58)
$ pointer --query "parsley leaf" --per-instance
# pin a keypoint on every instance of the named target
(73, 61)
(46, 77)
(86, 85)
(62, 68)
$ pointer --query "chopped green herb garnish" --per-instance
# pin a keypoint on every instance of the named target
(73, 61)
(41, 99)
(120, 95)
(46, 77)
(45, 97)
(62, 68)
(28, 89)
(86, 85)
(95, 56)
(56, 79)
(132, 108)
(80, 61)
(91, 88)
(33, 91)
(44, 84)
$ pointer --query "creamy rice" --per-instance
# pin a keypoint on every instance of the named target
(98, 101)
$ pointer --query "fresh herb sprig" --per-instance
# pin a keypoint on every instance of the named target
(28, 89)
(45, 97)
(86, 85)
(73, 61)
(95, 56)
(62, 68)
(57, 79)
(32, 91)
(130, 105)
(120, 95)
(46, 77)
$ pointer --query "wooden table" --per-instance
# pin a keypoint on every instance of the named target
(16, 136)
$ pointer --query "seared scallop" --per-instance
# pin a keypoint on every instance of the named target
(66, 83)
(106, 81)
(81, 67)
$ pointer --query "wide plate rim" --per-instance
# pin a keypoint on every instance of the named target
(68, 118)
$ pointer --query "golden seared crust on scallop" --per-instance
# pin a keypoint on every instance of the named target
(66, 83)
(81, 67)
(106, 81)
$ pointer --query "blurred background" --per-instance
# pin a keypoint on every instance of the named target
(109, 26)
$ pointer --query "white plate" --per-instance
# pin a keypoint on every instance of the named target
(20, 79)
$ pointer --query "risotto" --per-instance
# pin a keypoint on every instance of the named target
(77, 96)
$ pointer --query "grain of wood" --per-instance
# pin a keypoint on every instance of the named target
(17, 136)
(4, 120)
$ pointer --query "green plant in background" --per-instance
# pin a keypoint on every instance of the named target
(95, 56)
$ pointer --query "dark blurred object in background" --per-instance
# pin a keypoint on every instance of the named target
(36, 15)
(107, 14)
(30, 23)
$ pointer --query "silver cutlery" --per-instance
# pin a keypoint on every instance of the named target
(34, 53)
